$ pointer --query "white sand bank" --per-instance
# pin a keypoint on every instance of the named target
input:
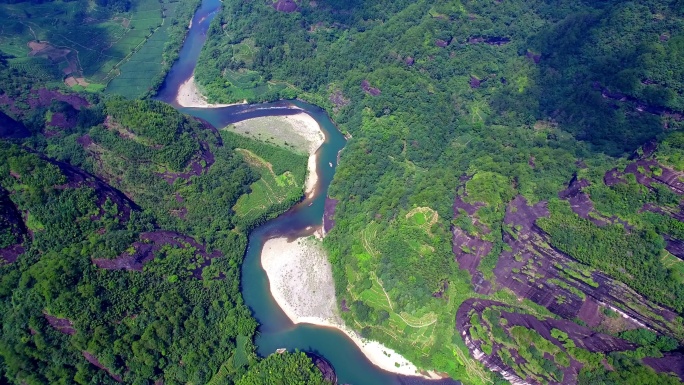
(190, 96)
(300, 129)
(301, 281)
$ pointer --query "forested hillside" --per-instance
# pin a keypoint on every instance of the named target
(119, 250)
(526, 152)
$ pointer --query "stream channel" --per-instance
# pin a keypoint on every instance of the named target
(276, 330)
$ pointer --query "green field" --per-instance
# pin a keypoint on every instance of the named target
(675, 265)
(137, 73)
(76, 38)
(268, 192)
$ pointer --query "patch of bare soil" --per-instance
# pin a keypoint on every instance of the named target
(368, 89)
(73, 81)
(93, 360)
(121, 130)
(583, 337)
(85, 141)
(535, 57)
(148, 244)
(62, 325)
(441, 43)
(70, 81)
(45, 49)
(180, 213)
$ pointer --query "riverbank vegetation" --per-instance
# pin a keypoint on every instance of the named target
(119, 252)
(482, 104)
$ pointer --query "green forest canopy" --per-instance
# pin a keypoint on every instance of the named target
(518, 95)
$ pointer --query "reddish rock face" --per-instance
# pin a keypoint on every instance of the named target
(582, 337)
(287, 6)
(367, 88)
(324, 366)
(149, 244)
(536, 58)
(62, 325)
(93, 360)
(329, 214)
(12, 217)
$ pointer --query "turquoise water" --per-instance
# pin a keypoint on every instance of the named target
(276, 330)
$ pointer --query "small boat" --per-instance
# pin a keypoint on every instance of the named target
(281, 350)
(330, 164)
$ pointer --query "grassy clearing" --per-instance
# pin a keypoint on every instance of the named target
(675, 265)
(270, 191)
(423, 217)
(245, 51)
(243, 78)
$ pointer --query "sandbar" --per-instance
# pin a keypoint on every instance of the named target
(301, 282)
(190, 96)
(300, 131)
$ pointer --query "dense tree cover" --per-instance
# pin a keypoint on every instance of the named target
(632, 48)
(516, 96)
(283, 369)
(626, 371)
(163, 135)
(181, 319)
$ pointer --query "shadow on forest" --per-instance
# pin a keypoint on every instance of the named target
(592, 78)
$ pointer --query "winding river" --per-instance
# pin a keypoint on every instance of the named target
(276, 330)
